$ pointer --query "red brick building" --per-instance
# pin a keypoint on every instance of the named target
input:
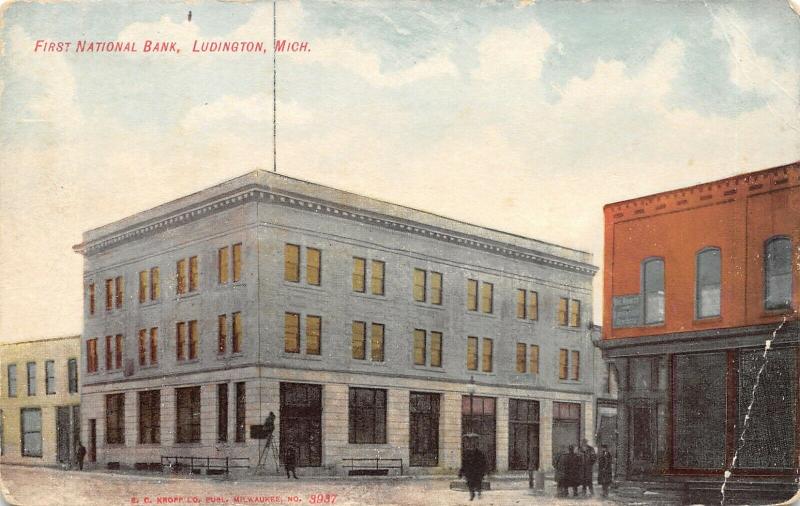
(697, 281)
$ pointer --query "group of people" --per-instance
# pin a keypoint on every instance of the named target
(576, 469)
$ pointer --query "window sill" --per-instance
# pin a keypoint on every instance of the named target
(187, 295)
(707, 319)
(429, 368)
(371, 296)
(229, 356)
(429, 305)
(481, 373)
(482, 314)
(148, 367)
(301, 356)
(371, 363)
(229, 285)
(527, 321)
(187, 361)
(150, 303)
(769, 313)
(304, 286)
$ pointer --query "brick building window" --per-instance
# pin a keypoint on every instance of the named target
(707, 291)
(31, 428)
(188, 415)
(367, 416)
(12, 380)
(115, 419)
(49, 377)
(653, 290)
(31, 369)
(778, 273)
(150, 417)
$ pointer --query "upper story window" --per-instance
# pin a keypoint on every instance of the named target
(92, 298)
(187, 281)
(149, 279)
(187, 348)
(486, 296)
(49, 377)
(148, 346)
(707, 293)
(569, 364)
(292, 260)
(376, 279)
(119, 291)
(72, 375)
(229, 268)
(114, 352)
(91, 355)
(109, 294)
(486, 354)
(12, 380)
(31, 366)
(653, 290)
(291, 339)
(428, 286)
(778, 273)
(569, 312)
(427, 351)
(527, 305)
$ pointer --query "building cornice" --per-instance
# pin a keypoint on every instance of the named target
(259, 193)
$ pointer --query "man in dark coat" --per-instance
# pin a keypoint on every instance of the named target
(604, 473)
(574, 471)
(473, 468)
(290, 461)
(80, 453)
(588, 458)
(559, 465)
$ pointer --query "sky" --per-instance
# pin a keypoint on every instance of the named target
(522, 116)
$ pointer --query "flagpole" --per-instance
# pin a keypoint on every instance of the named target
(274, 89)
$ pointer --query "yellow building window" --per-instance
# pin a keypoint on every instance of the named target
(194, 339)
(576, 365)
(155, 284)
(142, 286)
(377, 281)
(222, 333)
(109, 294)
(436, 349)
(291, 263)
(359, 274)
(419, 285)
(419, 347)
(313, 266)
(563, 364)
(143, 347)
(359, 340)
(92, 299)
(222, 265)
(521, 304)
(236, 344)
(487, 357)
(534, 359)
(313, 335)
(377, 342)
(119, 284)
(180, 341)
(522, 349)
(154, 345)
(180, 276)
(291, 335)
(562, 311)
(472, 353)
(436, 288)
(487, 297)
(533, 306)
(575, 313)
(237, 262)
(194, 274)
(472, 295)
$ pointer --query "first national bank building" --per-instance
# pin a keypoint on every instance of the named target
(369, 329)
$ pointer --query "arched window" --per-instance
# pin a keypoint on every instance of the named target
(778, 273)
(653, 290)
(707, 290)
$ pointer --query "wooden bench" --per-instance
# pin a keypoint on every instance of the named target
(371, 466)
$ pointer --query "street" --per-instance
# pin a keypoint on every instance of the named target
(34, 486)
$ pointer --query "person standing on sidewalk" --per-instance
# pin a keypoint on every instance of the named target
(290, 461)
(80, 453)
(473, 468)
(588, 458)
(560, 468)
(604, 469)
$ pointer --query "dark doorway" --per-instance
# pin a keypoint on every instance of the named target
(478, 417)
(63, 434)
(424, 429)
(523, 431)
(92, 443)
(301, 422)
(566, 426)
(642, 436)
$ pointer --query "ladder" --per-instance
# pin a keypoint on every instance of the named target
(263, 457)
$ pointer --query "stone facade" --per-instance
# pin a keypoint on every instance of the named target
(264, 212)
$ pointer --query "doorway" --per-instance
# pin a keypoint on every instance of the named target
(301, 422)
(523, 430)
(478, 419)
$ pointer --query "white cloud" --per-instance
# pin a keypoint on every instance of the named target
(229, 111)
(506, 52)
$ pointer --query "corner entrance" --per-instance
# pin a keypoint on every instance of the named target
(301, 422)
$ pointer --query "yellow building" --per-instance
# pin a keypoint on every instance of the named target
(39, 401)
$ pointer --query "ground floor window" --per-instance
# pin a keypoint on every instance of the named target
(222, 412)
(115, 419)
(150, 417)
(31, 431)
(479, 424)
(566, 425)
(301, 422)
(523, 434)
(188, 415)
(699, 410)
(241, 403)
(423, 429)
(770, 438)
(367, 416)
